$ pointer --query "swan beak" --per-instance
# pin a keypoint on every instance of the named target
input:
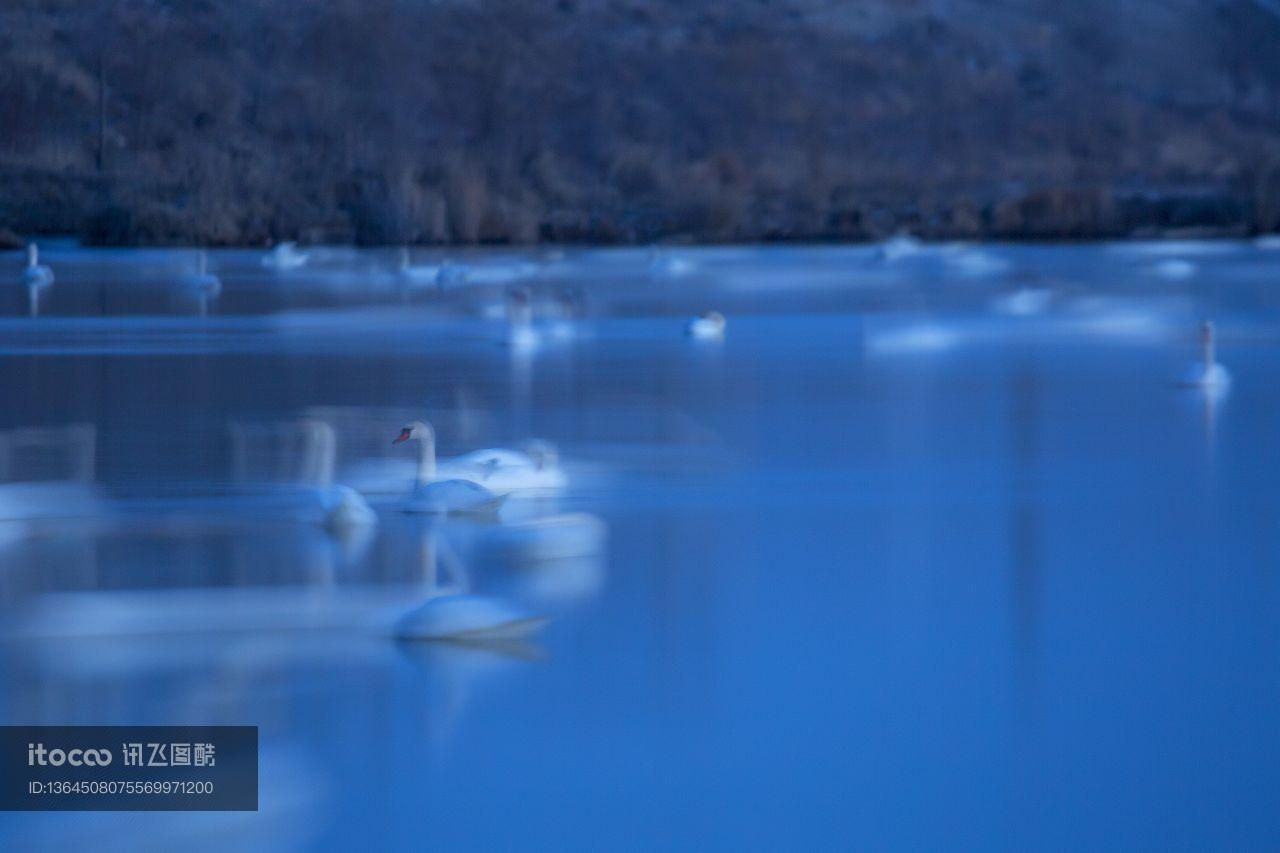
(403, 436)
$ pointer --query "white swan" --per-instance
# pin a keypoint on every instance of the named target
(461, 497)
(36, 274)
(1207, 373)
(285, 256)
(708, 325)
(343, 509)
(503, 470)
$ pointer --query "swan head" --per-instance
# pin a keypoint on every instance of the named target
(543, 453)
(414, 430)
(570, 301)
(1207, 332)
(518, 297)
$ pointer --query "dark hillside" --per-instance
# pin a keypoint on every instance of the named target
(494, 120)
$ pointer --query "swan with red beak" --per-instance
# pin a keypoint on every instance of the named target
(442, 497)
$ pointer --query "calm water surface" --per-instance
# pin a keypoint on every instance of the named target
(930, 552)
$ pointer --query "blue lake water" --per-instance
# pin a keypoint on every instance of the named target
(930, 552)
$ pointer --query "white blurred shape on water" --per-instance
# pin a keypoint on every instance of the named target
(1023, 302)
(1174, 269)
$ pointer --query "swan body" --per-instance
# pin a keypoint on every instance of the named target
(345, 510)
(286, 256)
(1175, 269)
(454, 497)
(466, 618)
(421, 274)
(897, 248)
(662, 265)
(342, 508)
(1024, 302)
(452, 274)
(709, 325)
(443, 497)
(36, 274)
(507, 470)
(1207, 373)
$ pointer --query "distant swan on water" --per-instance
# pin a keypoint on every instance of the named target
(419, 274)
(520, 331)
(202, 284)
(202, 280)
(708, 325)
(1207, 373)
(36, 274)
(664, 264)
(36, 277)
(285, 256)
(458, 497)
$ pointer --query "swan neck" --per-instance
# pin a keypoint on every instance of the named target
(326, 451)
(33, 255)
(426, 456)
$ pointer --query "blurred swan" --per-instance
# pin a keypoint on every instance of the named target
(36, 274)
(344, 510)
(467, 618)
(1023, 302)
(708, 325)
(667, 265)
(460, 497)
(502, 273)
(975, 263)
(1174, 269)
(452, 274)
(897, 248)
(285, 256)
(520, 331)
(202, 280)
(422, 274)
(1207, 373)
(504, 470)
(568, 307)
